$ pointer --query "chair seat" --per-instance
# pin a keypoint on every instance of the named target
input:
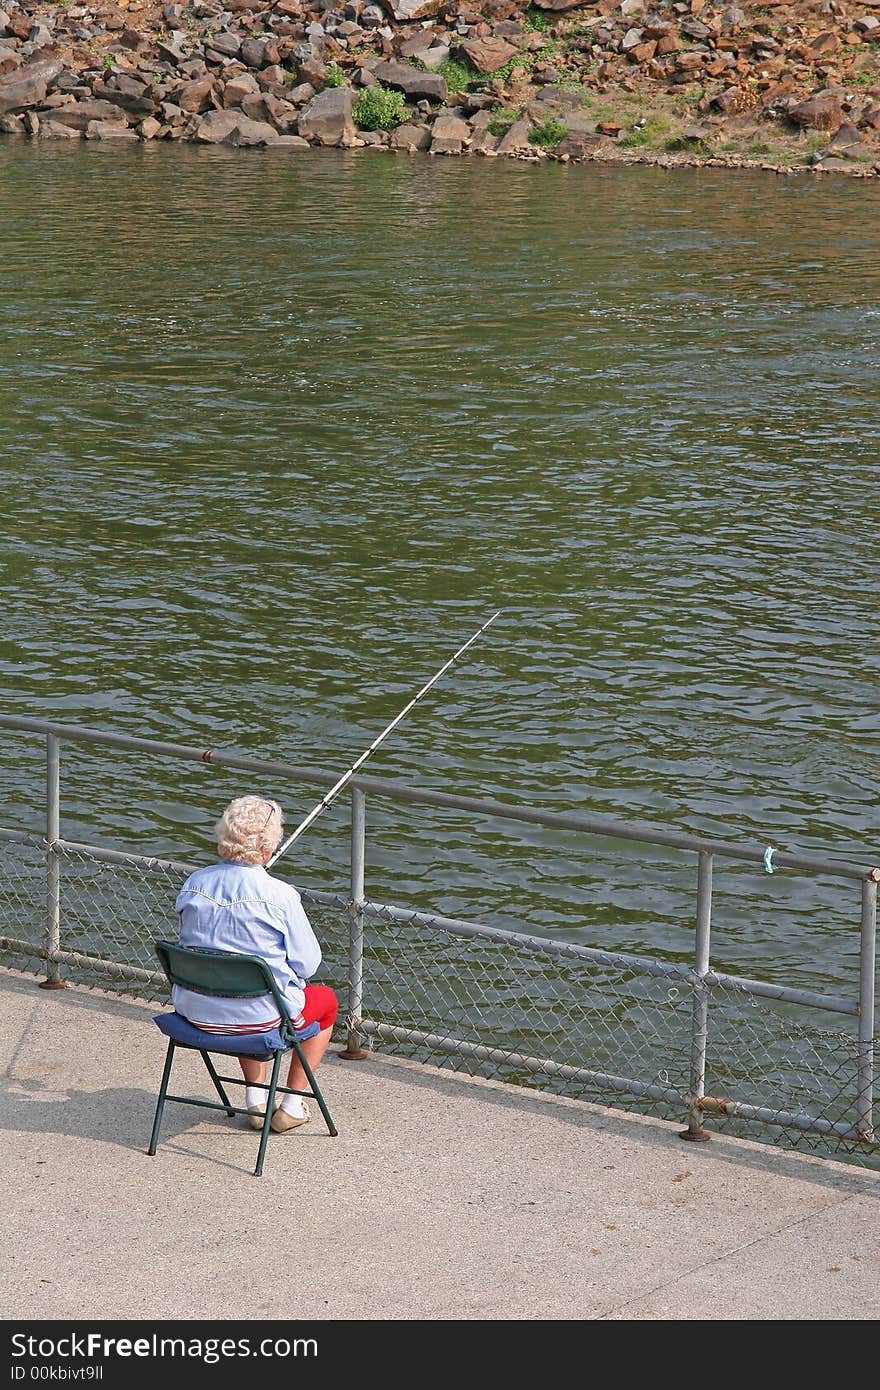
(259, 1045)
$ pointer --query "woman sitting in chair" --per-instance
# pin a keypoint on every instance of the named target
(237, 906)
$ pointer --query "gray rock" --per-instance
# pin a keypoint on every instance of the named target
(80, 114)
(264, 107)
(300, 94)
(487, 55)
(410, 137)
(237, 88)
(56, 130)
(484, 142)
(516, 141)
(259, 53)
(224, 43)
(578, 144)
(732, 18)
(196, 96)
(327, 119)
(9, 60)
(235, 128)
(272, 77)
(193, 69)
(479, 101)
(149, 129)
(289, 142)
(249, 134)
(846, 137)
(411, 81)
(130, 96)
(833, 164)
(68, 81)
(822, 111)
(434, 58)
(56, 99)
(171, 52)
(11, 125)
(108, 130)
(449, 135)
(216, 126)
(631, 39)
(405, 10)
(27, 86)
(40, 37)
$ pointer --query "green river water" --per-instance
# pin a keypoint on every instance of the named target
(277, 434)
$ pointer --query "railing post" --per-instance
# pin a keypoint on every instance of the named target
(700, 1013)
(53, 863)
(867, 969)
(353, 1050)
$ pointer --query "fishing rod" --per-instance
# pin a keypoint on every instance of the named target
(347, 776)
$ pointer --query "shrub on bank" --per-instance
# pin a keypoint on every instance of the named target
(548, 135)
(378, 108)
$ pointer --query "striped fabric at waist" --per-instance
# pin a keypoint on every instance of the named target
(234, 1030)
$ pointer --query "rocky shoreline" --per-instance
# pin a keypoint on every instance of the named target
(780, 86)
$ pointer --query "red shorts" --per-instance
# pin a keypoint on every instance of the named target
(321, 1006)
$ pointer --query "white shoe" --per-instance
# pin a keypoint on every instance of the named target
(282, 1120)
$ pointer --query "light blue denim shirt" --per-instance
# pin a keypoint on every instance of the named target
(239, 907)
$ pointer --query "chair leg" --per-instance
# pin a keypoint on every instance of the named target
(267, 1122)
(218, 1085)
(310, 1077)
(160, 1104)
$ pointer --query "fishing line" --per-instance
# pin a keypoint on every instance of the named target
(347, 776)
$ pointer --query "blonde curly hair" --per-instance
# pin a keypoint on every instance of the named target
(249, 827)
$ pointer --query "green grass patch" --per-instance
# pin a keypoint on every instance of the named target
(700, 149)
(548, 134)
(816, 143)
(649, 132)
(500, 123)
(535, 21)
(457, 76)
(378, 108)
(334, 77)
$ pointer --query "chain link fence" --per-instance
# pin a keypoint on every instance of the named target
(562, 1018)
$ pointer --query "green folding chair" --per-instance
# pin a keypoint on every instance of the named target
(231, 976)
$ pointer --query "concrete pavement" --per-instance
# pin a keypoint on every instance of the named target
(444, 1197)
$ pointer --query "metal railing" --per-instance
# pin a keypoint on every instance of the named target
(636, 1030)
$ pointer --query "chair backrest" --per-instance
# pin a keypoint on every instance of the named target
(224, 973)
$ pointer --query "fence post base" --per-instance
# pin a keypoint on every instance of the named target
(52, 984)
(696, 1136)
(354, 1054)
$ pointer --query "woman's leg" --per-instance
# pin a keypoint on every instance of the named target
(313, 1051)
(321, 1006)
(254, 1071)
